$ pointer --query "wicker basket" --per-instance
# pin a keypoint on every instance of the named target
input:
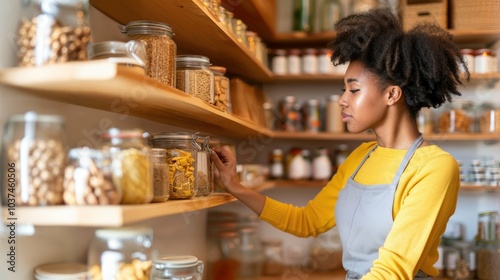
(412, 14)
(480, 14)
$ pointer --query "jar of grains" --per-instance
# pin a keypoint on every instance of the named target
(181, 160)
(221, 87)
(160, 48)
(457, 117)
(121, 253)
(34, 158)
(203, 185)
(57, 32)
(160, 175)
(131, 53)
(489, 119)
(194, 77)
(88, 178)
(133, 169)
(177, 268)
(488, 258)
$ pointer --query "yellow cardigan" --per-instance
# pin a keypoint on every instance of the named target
(425, 199)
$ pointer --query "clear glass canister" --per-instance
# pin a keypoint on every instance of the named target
(181, 160)
(88, 178)
(58, 271)
(194, 77)
(161, 49)
(489, 118)
(272, 263)
(131, 53)
(34, 157)
(121, 253)
(221, 87)
(133, 168)
(160, 175)
(457, 117)
(488, 258)
(203, 166)
(53, 31)
(177, 268)
(250, 254)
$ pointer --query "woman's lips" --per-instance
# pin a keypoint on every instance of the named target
(345, 117)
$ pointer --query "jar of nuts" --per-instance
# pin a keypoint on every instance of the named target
(489, 118)
(181, 160)
(132, 164)
(194, 77)
(160, 48)
(121, 253)
(457, 117)
(57, 32)
(34, 157)
(131, 53)
(221, 87)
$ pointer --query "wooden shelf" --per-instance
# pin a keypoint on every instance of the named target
(476, 36)
(258, 15)
(106, 86)
(196, 29)
(436, 137)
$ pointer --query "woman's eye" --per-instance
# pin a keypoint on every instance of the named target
(343, 90)
(354, 90)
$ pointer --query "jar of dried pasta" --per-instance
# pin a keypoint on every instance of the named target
(221, 87)
(181, 159)
(160, 48)
(489, 118)
(132, 164)
(457, 117)
(56, 32)
(131, 53)
(194, 76)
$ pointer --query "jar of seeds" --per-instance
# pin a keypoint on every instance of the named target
(131, 53)
(34, 158)
(203, 176)
(194, 77)
(221, 87)
(160, 175)
(132, 165)
(53, 31)
(160, 48)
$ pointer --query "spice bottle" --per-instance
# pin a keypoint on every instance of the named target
(194, 77)
(161, 188)
(325, 65)
(311, 116)
(321, 165)
(160, 48)
(289, 117)
(294, 62)
(310, 61)
(177, 268)
(334, 121)
(277, 168)
(279, 62)
(221, 87)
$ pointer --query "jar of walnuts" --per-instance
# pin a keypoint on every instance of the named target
(457, 116)
(489, 118)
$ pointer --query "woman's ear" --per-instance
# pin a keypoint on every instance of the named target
(394, 94)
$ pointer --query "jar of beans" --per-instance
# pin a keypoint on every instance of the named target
(120, 253)
(181, 159)
(457, 117)
(131, 53)
(194, 77)
(34, 158)
(57, 32)
(160, 48)
(132, 164)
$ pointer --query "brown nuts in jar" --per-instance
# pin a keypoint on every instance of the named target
(135, 270)
(490, 121)
(221, 87)
(455, 120)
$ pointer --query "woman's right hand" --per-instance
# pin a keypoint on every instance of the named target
(225, 164)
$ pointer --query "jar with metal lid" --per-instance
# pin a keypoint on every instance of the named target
(177, 268)
(160, 175)
(488, 258)
(88, 178)
(58, 271)
(194, 77)
(57, 32)
(457, 117)
(34, 157)
(489, 226)
(131, 53)
(203, 166)
(221, 87)
(181, 160)
(119, 253)
(161, 49)
(133, 168)
(489, 118)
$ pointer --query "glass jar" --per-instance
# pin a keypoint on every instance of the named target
(251, 254)
(272, 263)
(160, 175)
(203, 166)
(288, 115)
(131, 53)
(488, 226)
(468, 55)
(465, 265)
(161, 49)
(34, 154)
(331, 12)
(457, 117)
(194, 77)
(303, 15)
(489, 118)
(177, 268)
(425, 121)
(488, 258)
(279, 62)
(133, 168)
(57, 33)
(484, 60)
(116, 253)
(311, 116)
(88, 178)
(293, 62)
(221, 87)
(58, 271)
(310, 61)
(181, 159)
(241, 32)
(325, 65)
(252, 39)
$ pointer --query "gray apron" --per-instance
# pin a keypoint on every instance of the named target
(364, 218)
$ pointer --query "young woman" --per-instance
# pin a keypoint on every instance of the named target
(392, 198)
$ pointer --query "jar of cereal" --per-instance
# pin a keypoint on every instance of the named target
(194, 77)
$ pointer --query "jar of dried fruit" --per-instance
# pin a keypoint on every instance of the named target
(221, 87)
(160, 48)
(489, 118)
(194, 77)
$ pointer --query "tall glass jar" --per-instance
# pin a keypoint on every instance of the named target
(133, 168)
(34, 158)
(203, 184)
(177, 268)
(272, 263)
(118, 253)
(194, 77)
(181, 159)
(221, 87)
(488, 258)
(160, 48)
(160, 175)
(303, 15)
(131, 53)
(251, 254)
(55, 31)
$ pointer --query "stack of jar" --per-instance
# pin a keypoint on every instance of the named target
(481, 173)
(308, 61)
(480, 61)
(465, 116)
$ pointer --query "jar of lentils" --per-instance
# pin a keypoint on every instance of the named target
(160, 48)
(56, 32)
(194, 77)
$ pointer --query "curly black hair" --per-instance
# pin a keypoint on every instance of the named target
(423, 61)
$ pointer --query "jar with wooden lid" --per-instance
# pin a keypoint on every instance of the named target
(131, 53)
(457, 117)
(161, 49)
(56, 32)
(194, 77)
(221, 87)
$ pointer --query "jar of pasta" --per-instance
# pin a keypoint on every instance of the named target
(181, 159)
(160, 48)
(121, 253)
(131, 53)
(194, 77)
(489, 118)
(457, 117)
(221, 87)
(132, 165)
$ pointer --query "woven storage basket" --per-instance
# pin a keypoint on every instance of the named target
(479, 14)
(412, 14)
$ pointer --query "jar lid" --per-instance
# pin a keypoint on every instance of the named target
(177, 261)
(34, 117)
(173, 136)
(294, 52)
(138, 27)
(61, 271)
(310, 51)
(279, 52)
(218, 69)
(117, 133)
(123, 232)
(192, 58)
